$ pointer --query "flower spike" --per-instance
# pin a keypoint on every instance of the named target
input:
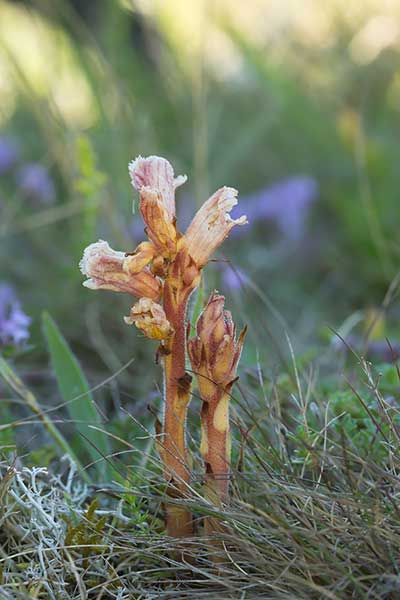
(162, 273)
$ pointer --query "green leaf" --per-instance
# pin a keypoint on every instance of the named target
(76, 393)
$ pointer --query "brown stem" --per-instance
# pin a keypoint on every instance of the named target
(177, 385)
(216, 450)
(216, 447)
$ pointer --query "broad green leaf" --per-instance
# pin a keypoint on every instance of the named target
(77, 396)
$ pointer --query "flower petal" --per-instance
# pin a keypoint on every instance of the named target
(105, 270)
(140, 258)
(211, 225)
(160, 229)
(156, 173)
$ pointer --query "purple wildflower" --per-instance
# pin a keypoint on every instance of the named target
(14, 322)
(35, 182)
(8, 155)
(285, 203)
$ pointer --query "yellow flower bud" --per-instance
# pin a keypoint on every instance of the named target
(149, 317)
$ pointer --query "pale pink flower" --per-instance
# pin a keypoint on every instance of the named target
(156, 173)
(211, 225)
(108, 269)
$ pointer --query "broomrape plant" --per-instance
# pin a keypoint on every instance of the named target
(162, 273)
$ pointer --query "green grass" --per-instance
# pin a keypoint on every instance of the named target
(314, 510)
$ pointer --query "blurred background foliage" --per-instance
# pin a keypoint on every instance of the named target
(295, 104)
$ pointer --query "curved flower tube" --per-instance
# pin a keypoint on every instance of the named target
(211, 225)
(157, 174)
(159, 227)
(108, 269)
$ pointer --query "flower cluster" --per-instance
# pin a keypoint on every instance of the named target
(142, 273)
